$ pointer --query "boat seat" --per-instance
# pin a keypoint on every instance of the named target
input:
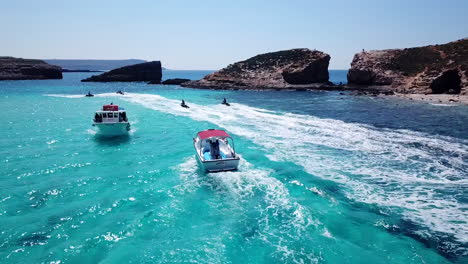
(207, 155)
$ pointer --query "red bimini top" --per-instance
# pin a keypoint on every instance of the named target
(212, 133)
(110, 108)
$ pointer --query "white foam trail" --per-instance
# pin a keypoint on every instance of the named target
(444, 104)
(65, 95)
(91, 131)
(243, 184)
(402, 169)
(246, 183)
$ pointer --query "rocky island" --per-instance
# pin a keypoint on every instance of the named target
(142, 72)
(175, 81)
(27, 69)
(287, 69)
(434, 69)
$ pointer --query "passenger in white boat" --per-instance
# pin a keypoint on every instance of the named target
(97, 118)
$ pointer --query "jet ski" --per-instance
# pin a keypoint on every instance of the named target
(120, 92)
(184, 105)
(225, 102)
(89, 94)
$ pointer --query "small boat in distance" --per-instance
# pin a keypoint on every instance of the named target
(89, 94)
(111, 121)
(215, 151)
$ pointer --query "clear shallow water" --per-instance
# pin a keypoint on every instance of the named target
(322, 179)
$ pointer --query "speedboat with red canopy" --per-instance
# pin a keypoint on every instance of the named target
(111, 121)
(215, 150)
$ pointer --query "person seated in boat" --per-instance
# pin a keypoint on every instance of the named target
(124, 117)
(96, 118)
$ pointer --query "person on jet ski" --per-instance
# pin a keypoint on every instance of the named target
(225, 102)
(89, 94)
(183, 104)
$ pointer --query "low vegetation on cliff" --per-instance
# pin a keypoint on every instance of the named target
(281, 69)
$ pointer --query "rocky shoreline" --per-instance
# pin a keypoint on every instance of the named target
(435, 69)
(27, 69)
(434, 73)
(286, 69)
(356, 90)
(141, 72)
(445, 99)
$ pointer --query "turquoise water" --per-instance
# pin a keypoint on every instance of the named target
(324, 177)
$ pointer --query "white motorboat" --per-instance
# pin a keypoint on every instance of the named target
(111, 121)
(215, 151)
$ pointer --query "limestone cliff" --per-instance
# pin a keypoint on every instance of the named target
(428, 69)
(27, 69)
(142, 72)
(296, 68)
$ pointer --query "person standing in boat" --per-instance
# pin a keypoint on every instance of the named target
(214, 149)
(97, 118)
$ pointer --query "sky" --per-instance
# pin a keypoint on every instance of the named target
(210, 34)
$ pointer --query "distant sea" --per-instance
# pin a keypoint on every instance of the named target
(325, 177)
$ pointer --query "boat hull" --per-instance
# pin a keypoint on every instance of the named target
(112, 129)
(218, 165)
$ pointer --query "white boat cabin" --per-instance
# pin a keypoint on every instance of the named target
(111, 114)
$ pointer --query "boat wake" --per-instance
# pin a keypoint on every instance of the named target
(277, 213)
(66, 95)
(420, 176)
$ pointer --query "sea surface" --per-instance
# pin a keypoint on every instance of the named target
(324, 177)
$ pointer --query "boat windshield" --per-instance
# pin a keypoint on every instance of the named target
(110, 116)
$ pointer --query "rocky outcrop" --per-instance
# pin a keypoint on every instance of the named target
(142, 72)
(429, 69)
(288, 69)
(27, 69)
(175, 81)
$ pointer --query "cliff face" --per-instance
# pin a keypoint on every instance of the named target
(282, 69)
(142, 72)
(27, 69)
(429, 69)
